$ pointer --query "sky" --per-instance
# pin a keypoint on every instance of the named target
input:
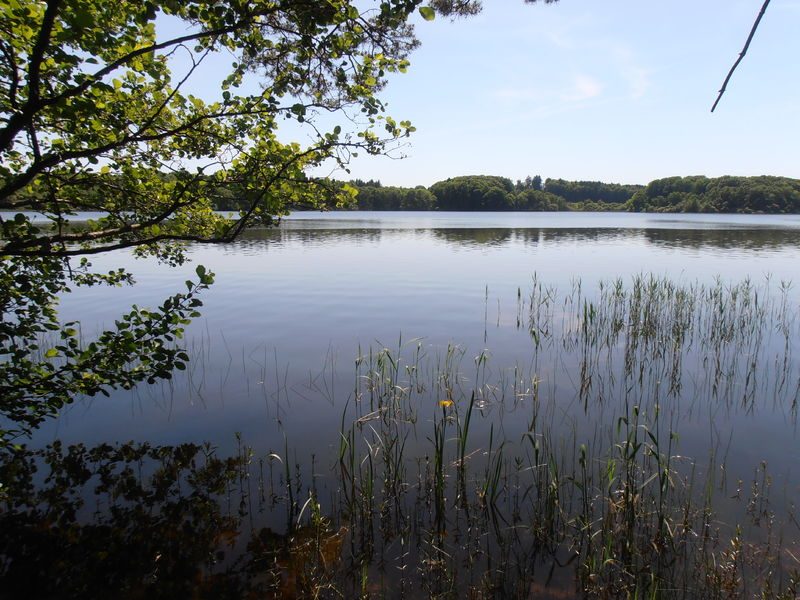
(608, 90)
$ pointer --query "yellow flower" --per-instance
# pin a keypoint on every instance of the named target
(445, 403)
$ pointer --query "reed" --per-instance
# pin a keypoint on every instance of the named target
(566, 477)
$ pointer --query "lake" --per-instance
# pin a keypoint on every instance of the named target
(519, 333)
(325, 284)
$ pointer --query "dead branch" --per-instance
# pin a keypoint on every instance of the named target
(742, 53)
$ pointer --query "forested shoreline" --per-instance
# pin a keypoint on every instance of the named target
(763, 194)
(693, 194)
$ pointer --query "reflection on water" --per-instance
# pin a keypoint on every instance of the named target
(128, 521)
(742, 240)
(255, 240)
(739, 238)
(544, 220)
(474, 237)
(595, 468)
(429, 403)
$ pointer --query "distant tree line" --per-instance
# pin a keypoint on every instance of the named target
(374, 196)
(489, 193)
(764, 194)
(591, 191)
(695, 194)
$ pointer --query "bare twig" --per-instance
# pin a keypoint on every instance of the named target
(741, 54)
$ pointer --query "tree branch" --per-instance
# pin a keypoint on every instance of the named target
(741, 54)
(37, 54)
(13, 84)
(18, 121)
(52, 159)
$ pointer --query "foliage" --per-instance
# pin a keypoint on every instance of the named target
(131, 112)
(590, 191)
(763, 194)
(484, 192)
(156, 536)
(97, 104)
(91, 91)
(45, 364)
(773, 195)
(538, 200)
(471, 193)
(530, 183)
(608, 506)
(372, 197)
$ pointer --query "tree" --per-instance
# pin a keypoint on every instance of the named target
(474, 193)
(591, 191)
(763, 194)
(536, 200)
(97, 113)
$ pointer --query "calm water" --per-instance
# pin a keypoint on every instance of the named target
(291, 307)
(281, 354)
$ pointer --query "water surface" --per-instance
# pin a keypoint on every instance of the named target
(292, 303)
(564, 333)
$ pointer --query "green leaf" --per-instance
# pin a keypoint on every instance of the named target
(427, 13)
(83, 18)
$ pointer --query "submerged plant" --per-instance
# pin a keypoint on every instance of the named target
(565, 478)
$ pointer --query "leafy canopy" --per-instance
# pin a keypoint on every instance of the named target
(122, 108)
(98, 113)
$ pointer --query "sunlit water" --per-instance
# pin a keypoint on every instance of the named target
(377, 331)
(274, 354)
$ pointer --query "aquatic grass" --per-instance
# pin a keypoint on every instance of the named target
(626, 514)
(462, 437)
(566, 476)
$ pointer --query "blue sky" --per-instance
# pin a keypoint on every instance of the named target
(611, 90)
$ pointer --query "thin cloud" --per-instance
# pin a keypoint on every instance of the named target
(787, 5)
(579, 88)
(636, 77)
(620, 60)
(518, 94)
(583, 88)
(638, 81)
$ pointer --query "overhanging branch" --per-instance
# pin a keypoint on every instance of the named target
(742, 53)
